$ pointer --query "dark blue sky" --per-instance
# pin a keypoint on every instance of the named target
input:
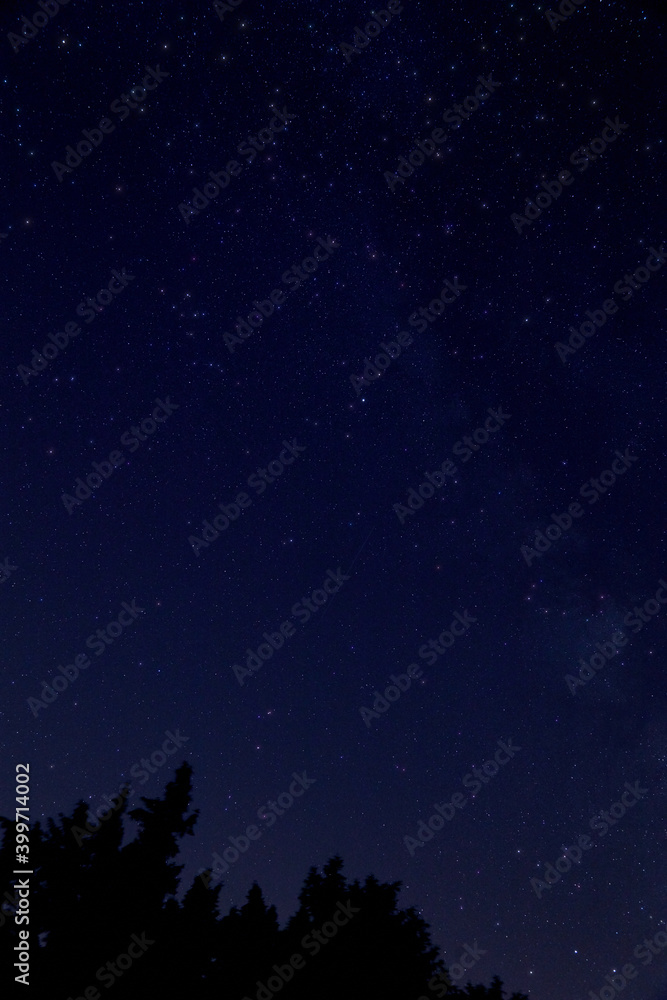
(181, 418)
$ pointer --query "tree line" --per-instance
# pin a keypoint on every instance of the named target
(105, 914)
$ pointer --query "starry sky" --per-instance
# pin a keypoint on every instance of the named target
(196, 414)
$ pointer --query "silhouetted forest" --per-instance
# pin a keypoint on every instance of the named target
(96, 906)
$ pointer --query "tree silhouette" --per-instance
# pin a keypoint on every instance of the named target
(94, 899)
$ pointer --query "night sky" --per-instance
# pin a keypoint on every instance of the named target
(196, 414)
